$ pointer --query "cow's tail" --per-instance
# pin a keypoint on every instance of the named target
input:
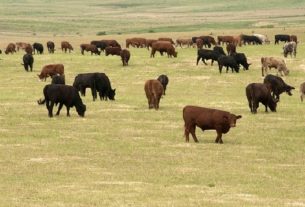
(41, 101)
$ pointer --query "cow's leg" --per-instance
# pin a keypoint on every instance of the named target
(192, 130)
(302, 97)
(50, 108)
(254, 106)
(59, 108)
(204, 61)
(198, 59)
(186, 133)
(68, 108)
(219, 135)
(266, 108)
(93, 92)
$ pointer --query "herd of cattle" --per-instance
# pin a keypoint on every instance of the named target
(267, 93)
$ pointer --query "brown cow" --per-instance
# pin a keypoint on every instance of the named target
(111, 43)
(136, 42)
(225, 39)
(149, 43)
(199, 43)
(11, 48)
(153, 90)
(167, 39)
(187, 42)
(21, 45)
(207, 119)
(50, 70)
(163, 46)
(271, 62)
(302, 90)
(28, 49)
(66, 46)
(113, 51)
(125, 56)
(91, 48)
(231, 48)
(294, 38)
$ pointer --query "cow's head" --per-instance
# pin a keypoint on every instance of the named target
(231, 119)
(40, 76)
(288, 90)
(175, 54)
(111, 94)
(81, 109)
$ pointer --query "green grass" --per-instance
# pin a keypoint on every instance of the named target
(122, 153)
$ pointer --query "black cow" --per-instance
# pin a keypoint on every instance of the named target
(281, 37)
(278, 86)
(99, 44)
(86, 80)
(206, 54)
(38, 48)
(51, 46)
(164, 81)
(250, 39)
(28, 61)
(229, 62)
(64, 95)
(103, 85)
(260, 92)
(241, 59)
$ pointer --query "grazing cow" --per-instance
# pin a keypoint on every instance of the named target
(167, 39)
(38, 48)
(225, 39)
(241, 59)
(50, 70)
(113, 51)
(96, 82)
(164, 81)
(187, 42)
(207, 119)
(89, 48)
(51, 46)
(86, 80)
(149, 43)
(278, 86)
(228, 62)
(11, 48)
(64, 95)
(302, 91)
(125, 56)
(271, 62)
(99, 44)
(21, 45)
(231, 48)
(263, 38)
(136, 42)
(163, 46)
(294, 38)
(250, 39)
(66, 46)
(103, 86)
(281, 37)
(290, 48)
(28, 49)
(260, 92)
(28, 61)
(153, 90)
(206, 54)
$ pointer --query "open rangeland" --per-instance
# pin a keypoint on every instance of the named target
(123, 154)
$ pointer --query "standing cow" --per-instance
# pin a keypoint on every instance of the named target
(66, 46)
(153, 90)
(28, 61)
(51, 46)
(38, 47)
(272, 62)
(302, 90)
(50, 70)
(260, 92)
(207, 119)
(164, 81)
(125, 56)
(290, 48)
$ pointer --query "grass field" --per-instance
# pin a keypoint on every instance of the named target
(122, 153)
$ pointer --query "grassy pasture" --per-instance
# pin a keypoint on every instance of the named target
(122, 153)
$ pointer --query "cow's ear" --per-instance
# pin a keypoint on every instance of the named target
(238, 117)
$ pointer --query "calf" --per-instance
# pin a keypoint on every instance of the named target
(206, 54)
(66, 46)
(271, 62)
(207, 119)
(278, 86)
(11, 48)
(260, 92)
(302, 90)
(99, 44)
(51, 46)
(89, 48)
(28, 61)
(50, 70)
(290, 48)
(281, 37)
(38, 47)
(228, 62)
(164, 81)
(125, 56)
(153, 90)
(64, 95)
(113, 51)
(231, 48)
(187, 42)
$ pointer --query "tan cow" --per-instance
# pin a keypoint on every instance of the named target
(272, 62)
(302, 90)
